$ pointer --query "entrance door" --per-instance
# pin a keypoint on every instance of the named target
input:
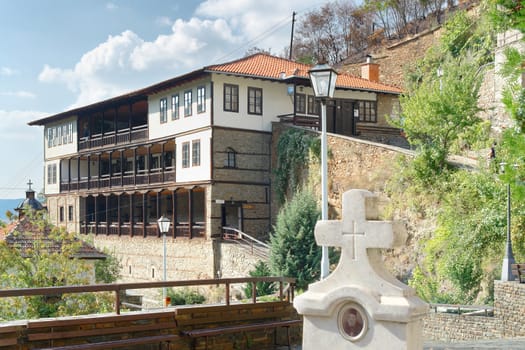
(232, 215)
(340, 118)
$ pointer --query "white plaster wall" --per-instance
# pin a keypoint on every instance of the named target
(183, 124)
(51, 188)
(275, 102)
(61, 150)
(194, 173)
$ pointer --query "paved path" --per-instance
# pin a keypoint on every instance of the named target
(501, 344)
(505, 344)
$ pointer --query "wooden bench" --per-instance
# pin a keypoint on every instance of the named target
(104, 332)
(210, 321)
(518, 270)
(9, 335)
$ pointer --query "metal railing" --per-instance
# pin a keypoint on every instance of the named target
(466, 310)
(257, 247)
(120, 288)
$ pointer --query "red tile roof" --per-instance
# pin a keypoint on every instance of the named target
(262, 65)
(24, 234)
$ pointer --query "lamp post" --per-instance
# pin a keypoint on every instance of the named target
(164, 227)
(323, 78)
(508, 259)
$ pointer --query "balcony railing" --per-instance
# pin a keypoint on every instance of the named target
(117, 180)
(122, 136)
(198, 229)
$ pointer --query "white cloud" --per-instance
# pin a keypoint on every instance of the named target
(6, 71)
(220, 30)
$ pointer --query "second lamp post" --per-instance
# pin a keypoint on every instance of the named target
(323, 78)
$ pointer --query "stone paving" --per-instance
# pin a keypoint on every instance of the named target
(506, 344)
(500, 344)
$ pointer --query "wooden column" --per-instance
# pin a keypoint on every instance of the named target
(174, 213)
(190, 211)
(144, 207)
(131, 213)
(88, 171)
(107, 215)
(96, 214)
(158, 211)
(119, 219)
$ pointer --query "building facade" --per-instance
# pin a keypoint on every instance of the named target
(195, 148)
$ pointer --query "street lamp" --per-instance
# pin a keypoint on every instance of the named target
(164, 227)
(323, 78)
(508, 260)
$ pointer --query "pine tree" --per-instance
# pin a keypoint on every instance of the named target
(294, 252)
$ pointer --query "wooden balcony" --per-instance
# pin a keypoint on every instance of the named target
(118, 180)
(120, 137)
(182, 229)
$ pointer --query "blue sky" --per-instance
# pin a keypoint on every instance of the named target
(60, 54)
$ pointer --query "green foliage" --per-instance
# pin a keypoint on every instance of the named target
(294, 252)
(294, 149)
(107, 270)
(44, 267)
(508, 14)
(441, 109)
(262, 288)
(185, 297)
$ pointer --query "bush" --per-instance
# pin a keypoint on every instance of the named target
(185, 297)
(262, 288)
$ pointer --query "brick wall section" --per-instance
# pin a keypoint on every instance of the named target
(509, 308)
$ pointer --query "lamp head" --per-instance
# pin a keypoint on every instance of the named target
(323, 78)
(164, 224)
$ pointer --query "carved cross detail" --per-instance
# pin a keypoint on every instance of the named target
(355, 234)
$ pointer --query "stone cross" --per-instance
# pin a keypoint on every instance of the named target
(360, 305)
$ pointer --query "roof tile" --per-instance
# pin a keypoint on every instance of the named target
(271, 67)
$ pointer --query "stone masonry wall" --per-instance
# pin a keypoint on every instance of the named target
(186, 259)
(507, 322)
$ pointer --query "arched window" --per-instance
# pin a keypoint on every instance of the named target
(230, 161)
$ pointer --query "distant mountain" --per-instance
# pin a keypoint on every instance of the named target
(8, 204)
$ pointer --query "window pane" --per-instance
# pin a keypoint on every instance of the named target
(187, 103)
(185, 154)
(175, 105)
(231, 98)
(163, 110)
(300, 103)
(254, 100)
(201, 99)
(196, 153)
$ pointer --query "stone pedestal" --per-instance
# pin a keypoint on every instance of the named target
(360, 305)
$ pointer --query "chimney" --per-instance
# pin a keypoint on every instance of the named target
(369, 70)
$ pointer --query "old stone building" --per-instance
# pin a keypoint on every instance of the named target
(195, 148)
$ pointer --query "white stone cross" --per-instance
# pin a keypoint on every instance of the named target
(355, 233)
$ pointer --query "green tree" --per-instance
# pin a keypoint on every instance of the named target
(262, 288)
(42, 265)
(294, 252)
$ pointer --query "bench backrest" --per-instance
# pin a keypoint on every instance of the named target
(199, 316)
(100, 326)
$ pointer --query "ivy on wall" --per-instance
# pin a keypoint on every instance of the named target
(294, 149)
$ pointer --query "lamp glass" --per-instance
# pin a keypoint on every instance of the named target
(323, 78)
(164, 224)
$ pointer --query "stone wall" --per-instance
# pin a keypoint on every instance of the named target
(507, 322)
(186, 259)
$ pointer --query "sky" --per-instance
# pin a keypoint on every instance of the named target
(56, 55)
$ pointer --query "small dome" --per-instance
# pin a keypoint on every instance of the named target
(30, 200)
